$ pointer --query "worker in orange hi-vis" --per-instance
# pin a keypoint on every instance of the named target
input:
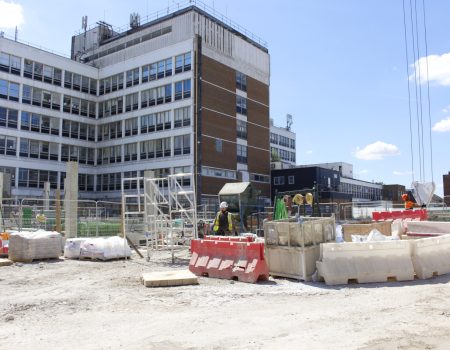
(409, 205)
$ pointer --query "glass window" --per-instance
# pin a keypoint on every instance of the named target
(14, 92)
(187, 61)
(4, 62)
(168, 66)
(187, 88)
(218, 145)
(178, 64)
(241, 81)
(3, 89)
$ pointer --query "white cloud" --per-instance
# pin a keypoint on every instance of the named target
(438, 69)
(401, 173)
(445, 109)
(376, 151)
(442, 126)
(11, 14)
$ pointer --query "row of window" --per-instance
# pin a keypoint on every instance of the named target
(80, 82)
(82, 155)
(48, 74)
(79, 106)
(260, 178)
(82, 131)
(111, 84)
(146, 73)
(150, 149)
(34, 178)
(282, 154)
(217, 172)
(282, 140)
(42, 72)
(38, 149)
(279, 180)
(41, 98)
(76, 130)
(150, 97)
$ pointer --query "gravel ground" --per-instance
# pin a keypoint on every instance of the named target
(70, 304)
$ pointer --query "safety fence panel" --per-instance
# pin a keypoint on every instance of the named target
(94, 218)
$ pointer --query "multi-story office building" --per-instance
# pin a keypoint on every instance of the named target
(282, 146)
(182, 93)
(331, 181)
(446, 182)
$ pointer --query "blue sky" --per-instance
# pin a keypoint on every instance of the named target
(337, 66)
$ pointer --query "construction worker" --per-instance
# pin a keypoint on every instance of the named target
(409, 205)
(223, 224)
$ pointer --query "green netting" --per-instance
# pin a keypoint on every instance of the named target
(280, 210)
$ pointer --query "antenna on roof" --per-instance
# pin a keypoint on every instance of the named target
(135, 20)
(288, 121)
(16, 34)
(84, 22)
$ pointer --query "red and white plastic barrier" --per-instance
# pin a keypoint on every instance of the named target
(229, 258)
(420, 214)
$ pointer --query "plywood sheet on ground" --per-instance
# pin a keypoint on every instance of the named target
(169, 278)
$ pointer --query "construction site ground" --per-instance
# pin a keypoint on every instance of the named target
(70, 304)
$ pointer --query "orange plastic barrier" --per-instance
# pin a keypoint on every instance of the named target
(420, 214)
(229, 259)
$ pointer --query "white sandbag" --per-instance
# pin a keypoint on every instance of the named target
(72, 248)
(104, 248)
(28, 246)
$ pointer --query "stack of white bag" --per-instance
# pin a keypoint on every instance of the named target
(28, 246)
(72, 248)
(97, 248)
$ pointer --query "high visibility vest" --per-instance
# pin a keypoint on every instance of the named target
(409, 205)
(230, 222)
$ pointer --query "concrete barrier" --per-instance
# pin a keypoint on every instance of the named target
(431, 256)
(365, 262)
(431, 228)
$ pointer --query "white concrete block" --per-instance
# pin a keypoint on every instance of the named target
(428, 227)
(431, 256)
(365, 262)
